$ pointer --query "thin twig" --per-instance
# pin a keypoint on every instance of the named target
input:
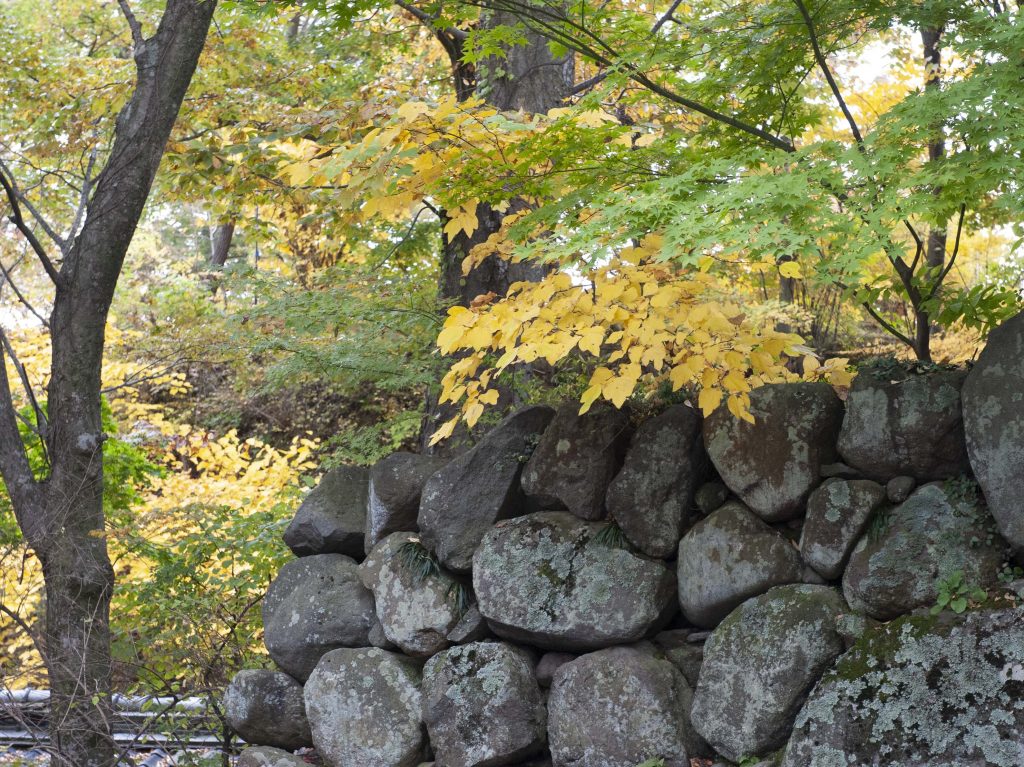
(19, 221)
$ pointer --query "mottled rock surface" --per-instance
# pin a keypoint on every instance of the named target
(364, 709)
(394, 490)
(729, 557)
(759, 665)
(415, 598)
(900, 422)
(316, 604)
(898, 489)
(651, 498)
(617, 708)
(330, 519)
(265, 708)
(921, 691)
(482, 706)
(710, 497)
(838, 512)
(549, 663)
(544, 580)
(679, 647)
(263, 756)
(939, 530)
(993, 405)
(576, 459)
(460, 502)
(775, 462)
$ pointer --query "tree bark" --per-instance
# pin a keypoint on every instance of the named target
(221, 244)
(62, 515)
(931, 39)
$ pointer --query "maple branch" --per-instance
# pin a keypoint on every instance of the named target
(40, 427)
(428, 19)
(952, 256)
(133, 23)
(888, 327)
(6, 273)
(668, 15)
(823, 65)
(83, 202)
(19, 221)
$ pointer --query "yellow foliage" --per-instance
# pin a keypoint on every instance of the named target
(645, 322)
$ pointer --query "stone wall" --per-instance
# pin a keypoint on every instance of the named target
(825, 586)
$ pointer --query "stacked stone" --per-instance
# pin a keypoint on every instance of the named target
(576, 592)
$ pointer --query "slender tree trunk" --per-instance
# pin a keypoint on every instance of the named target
(221, 244)
(62, 516)
(931, 38)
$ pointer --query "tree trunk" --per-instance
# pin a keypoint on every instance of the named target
(931, 39)
(62, 516)
(221, 244)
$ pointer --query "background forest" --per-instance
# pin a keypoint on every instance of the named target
(376, 225)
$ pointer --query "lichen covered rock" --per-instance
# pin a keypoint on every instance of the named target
(940, 530)
(364, 709)
(617, 708)
(316, 604)
(993, 405)
(460, 502)
(651, 498)
(728, 557)
(899, 422)
(330, 519)
(263, 756)
(773, 463)
(921, 691)
(416, 600)
(838, 512)
(482, 706)
(544, 580)
(395, 486)
(759, 665)
(265, 708)
(576, 459)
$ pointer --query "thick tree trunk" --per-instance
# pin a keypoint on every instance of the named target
(62, 516)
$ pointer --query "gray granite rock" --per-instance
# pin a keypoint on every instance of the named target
(759, 665)
(904, 423)
(265, 708)
(993, 407)
(942, 691)
(728, 557)
(940, 530)
(316, 604)
(460, 502)
(838, 512)
(394, 490)
(651, 498)
(544, 580)
(775, 462)
(482, 706)
(576, 460)
(364, 708)
(330, 519)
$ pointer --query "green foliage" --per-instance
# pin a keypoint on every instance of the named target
(954, 593)
(611, 535)
(418, 560)
(1009, 573)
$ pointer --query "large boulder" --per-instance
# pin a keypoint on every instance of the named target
(728, 557)
(651, 498)
(460, 502)
(263, 756)
(364, 708)
(618, 708)
(941, 691)
(544, 580)
(396, 484)
(482, 706)
(940, 530)
(330, 519)
(416, 599)
(994, 422)
(904, 423)
(775, 462)
(265, 708)
(316, 604)
(838, 512)
(759, 665)
(576, 460)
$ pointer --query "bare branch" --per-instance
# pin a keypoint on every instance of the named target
(952, 256)
(133, 23)
(18, 220)
(83, 203)
(823, 65)
(6, 273)
(40, 427)
(888, 326)
(666, 17)
(426, 18)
